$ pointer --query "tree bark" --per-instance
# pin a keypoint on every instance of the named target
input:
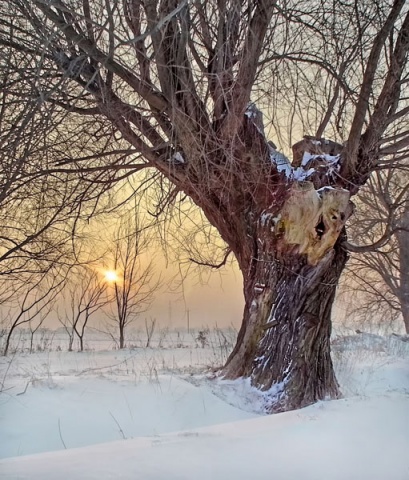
(403, 241)
(405, 315)
(121, 337)
(289, 286)
(284, 342)
(7, 344)
(70, 341)
(31, 341)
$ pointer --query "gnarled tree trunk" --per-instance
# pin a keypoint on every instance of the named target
(284, 342)
(284, 223)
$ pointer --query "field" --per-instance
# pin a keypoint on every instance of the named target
(160, 412)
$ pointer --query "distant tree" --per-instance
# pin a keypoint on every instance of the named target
(34, 326)
(379, 271)
(85, 294)
(150, 327)
(135, 285)
(175, 80)
(35, 301)
(43, 202)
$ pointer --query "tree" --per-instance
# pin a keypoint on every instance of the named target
(86, 294)
(32, 207)
(379, 272)
(35, 301)
(43, 201)
(34, 326)
(133, 285)
(175, 79)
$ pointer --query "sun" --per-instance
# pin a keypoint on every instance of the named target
(111, 276)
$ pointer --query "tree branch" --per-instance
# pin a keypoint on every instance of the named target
(369, 75)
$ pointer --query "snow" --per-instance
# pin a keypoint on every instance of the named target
(269, 219)
(284, 166)
(329, 159)
(307, 157)
(146, 414)
(178, 158)
(281, 161)
(300, 174)
(250, 112)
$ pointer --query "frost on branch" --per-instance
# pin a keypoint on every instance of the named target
(311, 220)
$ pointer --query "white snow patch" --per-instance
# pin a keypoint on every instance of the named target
(360, 439)
(306, 158)
(328, 188)
(280, 161)
(178, 158)
(277, 219)
(329, 159)
(250, 113)
(283, 165)
(264, 218)
(180, 427)
(300, 174)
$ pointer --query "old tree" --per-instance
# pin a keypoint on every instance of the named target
(172, 80)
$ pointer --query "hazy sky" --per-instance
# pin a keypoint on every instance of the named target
(219, 301)
(215, 297)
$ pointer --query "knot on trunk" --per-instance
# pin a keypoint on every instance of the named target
(311, 220)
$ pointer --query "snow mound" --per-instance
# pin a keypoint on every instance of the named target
(125, 418)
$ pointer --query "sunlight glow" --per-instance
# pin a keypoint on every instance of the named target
(111, 276)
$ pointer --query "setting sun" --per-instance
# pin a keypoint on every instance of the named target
(111, 276)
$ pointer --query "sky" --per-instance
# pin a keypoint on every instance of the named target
(213, 299)
(212, 296)
(219, 301)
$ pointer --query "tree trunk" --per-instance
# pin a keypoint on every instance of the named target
(403, 241)
(7, 344)
(284, 342)
(405, 315)
(70, 341)
(121, 337)
(31, 342)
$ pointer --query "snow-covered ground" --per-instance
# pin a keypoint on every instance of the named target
(156, 413)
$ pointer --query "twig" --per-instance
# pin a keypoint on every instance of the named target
(119, 426)
(59, 430)
(25, 390)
